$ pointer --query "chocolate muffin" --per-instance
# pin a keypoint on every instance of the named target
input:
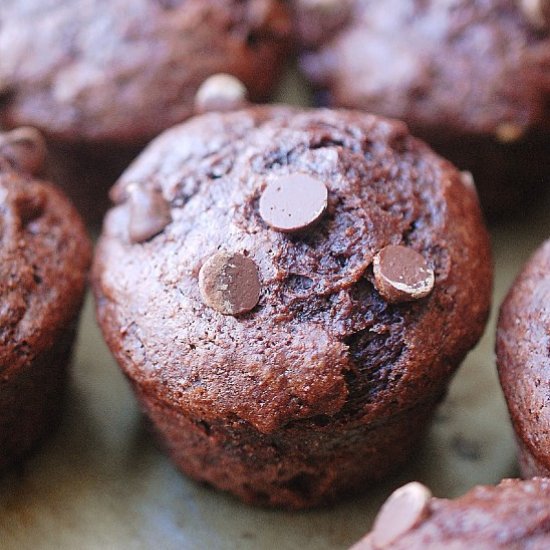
(44, 258)
(523, 337)
(101, 78)
(470, 77)
(513, 515)
(289, 293)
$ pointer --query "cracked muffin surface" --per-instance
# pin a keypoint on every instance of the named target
(280, 401)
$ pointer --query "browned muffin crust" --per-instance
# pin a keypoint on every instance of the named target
(523, 344)
(44, 258)
(447, 68)
(470, 77)
(121, 72)
(514, 515)
(101, 78)
(307, 395)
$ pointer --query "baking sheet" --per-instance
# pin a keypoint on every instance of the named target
(100, 482)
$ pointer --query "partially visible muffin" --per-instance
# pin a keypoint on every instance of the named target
(101, 78)
(523, 356)
(289, 293)
(470, 77)
(514, 515)
(44, 258)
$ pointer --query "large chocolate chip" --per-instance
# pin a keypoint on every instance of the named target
(229, 283)
(401, 274)
(220, 92)
(293, 203)
(537, 12)
(403, 511)
(24, 149)
(149, 212)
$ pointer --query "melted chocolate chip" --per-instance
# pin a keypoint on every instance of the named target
(401, 274)
(221, 92)
(229, 283)
(24, 149)
(405, 509)
(149, 213)
(537, 12)
(293, 203)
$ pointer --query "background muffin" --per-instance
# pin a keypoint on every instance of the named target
(523, 362)
(102, 77)
(289, 293)
(470, 77)
(45, 255)
(514, 514)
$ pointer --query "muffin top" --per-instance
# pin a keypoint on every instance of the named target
(514, 515)
(273, 264)
(44, 254)
(523, 344)
(446, 67)
(120, 71)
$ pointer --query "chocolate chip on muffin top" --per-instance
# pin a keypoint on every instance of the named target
(293, 202)
(23, 149)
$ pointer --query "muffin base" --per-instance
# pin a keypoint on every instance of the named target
(306, 464)
(31, 400)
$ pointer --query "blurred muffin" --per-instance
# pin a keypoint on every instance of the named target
(102, 77)
(523, 344)
(513, 515)
(44, 258)
(289, 292)
(470, 77)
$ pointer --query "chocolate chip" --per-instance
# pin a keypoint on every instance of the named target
(323, 6)
(229, 283)
(401, 274)
(537, 12)
(293, 203)
(403, 511)
(508, 132)
(30, 206)
(25, 149)
(149, 212)
(220, 92)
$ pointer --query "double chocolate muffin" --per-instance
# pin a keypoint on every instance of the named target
(289, 293)
(523, 344)
(470, 77)
(44, 258)
(102, 77)
(514, 515)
